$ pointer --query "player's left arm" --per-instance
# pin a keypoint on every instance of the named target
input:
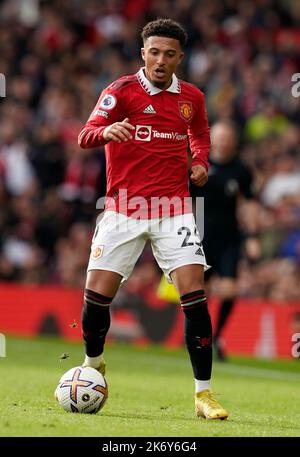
(199, 140)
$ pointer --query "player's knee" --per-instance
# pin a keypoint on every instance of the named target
(192, 287)
(103, 282)
(188, 278)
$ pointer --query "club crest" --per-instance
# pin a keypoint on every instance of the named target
(185, 110)
(97, 252)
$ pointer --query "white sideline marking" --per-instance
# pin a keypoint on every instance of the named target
(244, 370)
(227, 367)
(2, 345)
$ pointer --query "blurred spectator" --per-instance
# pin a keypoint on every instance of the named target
(268, 121)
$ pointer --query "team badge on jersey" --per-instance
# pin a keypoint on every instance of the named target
(108, 102)
(186, 110)
(97, 252)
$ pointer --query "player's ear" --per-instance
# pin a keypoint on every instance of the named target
(181, 57)
(143, 53)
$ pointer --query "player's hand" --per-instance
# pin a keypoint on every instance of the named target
(119, 131)
(199, 175)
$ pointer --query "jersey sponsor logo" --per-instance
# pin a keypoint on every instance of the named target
(100, 112)
(143, 132)
(185, 110)
(108, 102)
(149, 110)
(146, 133)
(169, 135)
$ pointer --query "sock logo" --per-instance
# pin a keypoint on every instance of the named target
(204, 341)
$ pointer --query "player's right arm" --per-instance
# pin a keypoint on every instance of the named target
(118, 131)
(105, 122)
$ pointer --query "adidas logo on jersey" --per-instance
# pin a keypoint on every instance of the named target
(149, 110)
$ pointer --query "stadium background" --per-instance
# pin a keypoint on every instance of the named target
(57, 57)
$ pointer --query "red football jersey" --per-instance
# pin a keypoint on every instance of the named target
(155, 162)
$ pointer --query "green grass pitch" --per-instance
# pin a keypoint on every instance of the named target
(150, 394)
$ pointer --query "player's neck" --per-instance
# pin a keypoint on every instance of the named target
(161, 86)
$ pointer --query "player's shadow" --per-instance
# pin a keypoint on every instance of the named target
(151, 416)
(192, 420)
(262, 423)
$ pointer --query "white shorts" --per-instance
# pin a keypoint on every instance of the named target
(119, 241)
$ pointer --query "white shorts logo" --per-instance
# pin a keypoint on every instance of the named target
(143, 132)
(97, 251)
(108, 102)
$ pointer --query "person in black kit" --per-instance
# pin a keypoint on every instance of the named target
(229, 179)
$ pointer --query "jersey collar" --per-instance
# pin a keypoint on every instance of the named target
(152, 90)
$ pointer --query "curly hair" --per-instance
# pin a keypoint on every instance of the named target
(165, 28)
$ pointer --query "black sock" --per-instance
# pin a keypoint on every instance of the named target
(224, 312)
(95, 321)
(198, 333)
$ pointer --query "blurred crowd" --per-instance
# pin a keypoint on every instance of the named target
(58, 55)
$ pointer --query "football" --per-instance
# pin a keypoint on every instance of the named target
(82, 390)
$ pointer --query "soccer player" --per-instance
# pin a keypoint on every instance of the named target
(146, 122)
(229, 180)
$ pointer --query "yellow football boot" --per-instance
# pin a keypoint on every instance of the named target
(207, 406)
(101, 367)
